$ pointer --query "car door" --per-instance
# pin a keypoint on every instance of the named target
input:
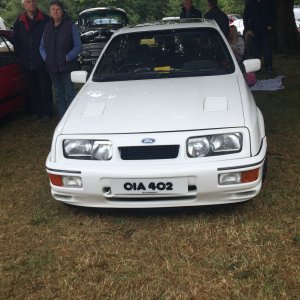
(13, 86)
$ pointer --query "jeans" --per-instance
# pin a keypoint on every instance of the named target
(40, 92)
(64, 91)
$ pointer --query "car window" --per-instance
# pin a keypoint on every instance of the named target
(96, 18)
(6, 49)
(168, 53)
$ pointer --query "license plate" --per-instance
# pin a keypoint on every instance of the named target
(149, 186)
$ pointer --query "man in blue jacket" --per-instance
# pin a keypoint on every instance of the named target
(259, 19)
(28, 30)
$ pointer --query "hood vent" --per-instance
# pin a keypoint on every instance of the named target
(93, 109)
(215, 104)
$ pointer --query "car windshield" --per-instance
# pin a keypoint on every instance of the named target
(102, 17)
(6, 49)
(167, 53)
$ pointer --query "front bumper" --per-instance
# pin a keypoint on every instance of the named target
(204, 188)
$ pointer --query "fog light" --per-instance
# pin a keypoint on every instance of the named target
(72, 181)
(238, 177)
(250, 176)
(56, 179)
(230, 178)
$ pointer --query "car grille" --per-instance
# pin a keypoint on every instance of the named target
(149, 152)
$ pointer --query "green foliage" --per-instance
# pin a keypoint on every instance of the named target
(137, 10)
(229, 6)
(2, 4)
(12, 9)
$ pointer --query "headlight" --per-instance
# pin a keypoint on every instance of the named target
(102, 150)
(78, 148)
(87, 149)
(214, 144)
(226, 142)
(198, 147)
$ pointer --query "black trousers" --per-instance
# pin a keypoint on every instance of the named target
(40, 92)
(263, 42)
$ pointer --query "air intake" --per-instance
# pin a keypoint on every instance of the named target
(149, 152)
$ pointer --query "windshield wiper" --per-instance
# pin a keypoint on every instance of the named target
(136, 75)
(111, 77)
(204, 72)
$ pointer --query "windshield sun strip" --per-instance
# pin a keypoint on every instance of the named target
(111, 65)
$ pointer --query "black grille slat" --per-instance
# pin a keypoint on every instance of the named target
(149, 152)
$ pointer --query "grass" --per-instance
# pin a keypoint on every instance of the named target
(247, 251)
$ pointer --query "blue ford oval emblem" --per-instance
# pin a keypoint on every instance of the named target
(148, 141)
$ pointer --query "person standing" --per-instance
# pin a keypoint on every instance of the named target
(259, 18)
(215, 13)
(27, 33)
(59, 48)
(189, 11)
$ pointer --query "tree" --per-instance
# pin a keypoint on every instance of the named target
(236, 6)
(286, 33)
(149, 10)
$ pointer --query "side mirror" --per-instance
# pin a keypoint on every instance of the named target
(79, 76)
(252, 65)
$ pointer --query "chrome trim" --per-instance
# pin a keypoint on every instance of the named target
(63, 171)
(261, 145)
(242, 167)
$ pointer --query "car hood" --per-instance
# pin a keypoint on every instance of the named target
(156, 105)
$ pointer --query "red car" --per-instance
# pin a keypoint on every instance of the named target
(13, 89)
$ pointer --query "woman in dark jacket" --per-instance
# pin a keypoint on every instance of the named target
(59, 48)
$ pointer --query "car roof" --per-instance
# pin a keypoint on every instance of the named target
(169, 24)
(102, 8)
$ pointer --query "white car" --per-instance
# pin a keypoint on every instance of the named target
(165, 119)
(239, 24)
(297, 13)
(170, 18)
(2, 24)
(297, 17)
